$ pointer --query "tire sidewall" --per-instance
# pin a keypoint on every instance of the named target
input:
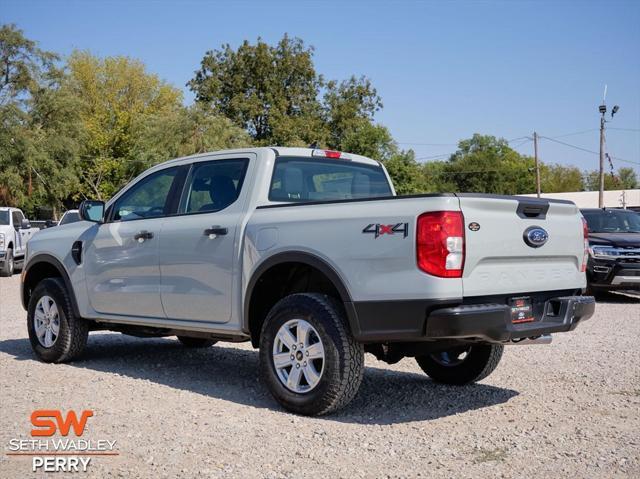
(320, 319)
(51, 288)
(6, 269)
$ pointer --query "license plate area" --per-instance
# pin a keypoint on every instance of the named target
(521, 310)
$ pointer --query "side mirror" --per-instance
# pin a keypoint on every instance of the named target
(92, 210)
(25, 224)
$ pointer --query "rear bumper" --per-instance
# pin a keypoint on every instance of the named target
(475, 319)
(492, 322)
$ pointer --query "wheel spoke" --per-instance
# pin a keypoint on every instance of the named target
(48, 338)
(285, 336)
(45, 305)
(293, 381)
(311, 375)
(55, 326)
(53, 310)
(40, 332)
(303, 329)
(316, 351)
(282, 360)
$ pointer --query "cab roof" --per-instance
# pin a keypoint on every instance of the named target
(284, 151)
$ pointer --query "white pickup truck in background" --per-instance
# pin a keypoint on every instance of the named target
(311, 256)
(15, 231)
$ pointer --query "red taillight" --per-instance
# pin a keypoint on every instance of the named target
(585, 235)
(440, 243)
(327, 153)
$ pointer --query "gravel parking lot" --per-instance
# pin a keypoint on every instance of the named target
(571, 408)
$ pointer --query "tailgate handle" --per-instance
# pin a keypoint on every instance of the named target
(536, 210)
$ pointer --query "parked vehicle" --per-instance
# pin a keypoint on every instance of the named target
(69, 216)
(614, 249)
(309, 255)
(15, 231)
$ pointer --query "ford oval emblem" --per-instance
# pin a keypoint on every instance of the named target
(535, 236)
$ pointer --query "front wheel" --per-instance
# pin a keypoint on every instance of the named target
(308, 358)
(56, 334)
(462, 365)
(7, 267)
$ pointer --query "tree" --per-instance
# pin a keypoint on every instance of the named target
(270, 91)
(118, 95)
(39, 134)
(625, 179)
(628, 178)
(558, 178)
(183, 132)
(22, 64)
(276, 95)
(405, 173)
(486, 164)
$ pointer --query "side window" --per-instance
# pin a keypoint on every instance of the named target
(214, 185)
(17, 219)
(149, 198)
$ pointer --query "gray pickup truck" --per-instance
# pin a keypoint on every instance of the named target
(311, 256)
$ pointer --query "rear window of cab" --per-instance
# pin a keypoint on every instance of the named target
(311, 179)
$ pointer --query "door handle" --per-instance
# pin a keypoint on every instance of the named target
(143, 235)
(215, 231)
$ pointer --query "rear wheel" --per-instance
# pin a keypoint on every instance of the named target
(56, 334)
(8, 265)
(462, 365)
(308, 358)
(196, 342)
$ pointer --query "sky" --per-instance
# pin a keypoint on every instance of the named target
(444, 70)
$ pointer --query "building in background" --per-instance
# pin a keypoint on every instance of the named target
(629, 199)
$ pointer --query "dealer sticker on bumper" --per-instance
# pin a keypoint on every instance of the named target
(521, 310)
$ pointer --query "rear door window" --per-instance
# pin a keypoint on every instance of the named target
(306, 179)
(214, 185)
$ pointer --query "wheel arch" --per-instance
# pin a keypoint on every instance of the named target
(42, 266)
(259, 297)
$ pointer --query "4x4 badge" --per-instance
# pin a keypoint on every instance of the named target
(378, 229)
(473, 226)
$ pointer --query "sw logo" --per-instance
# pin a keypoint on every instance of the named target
(46, 426)
(378, 229)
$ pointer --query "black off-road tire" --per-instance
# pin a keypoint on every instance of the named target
(480, 361)
(73, 333)
(8, 265)
(343, 356)
(188, 342)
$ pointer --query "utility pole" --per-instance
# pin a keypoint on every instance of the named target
(535, 153)
(603, 110)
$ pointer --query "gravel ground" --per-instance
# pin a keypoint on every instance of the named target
(567, 409)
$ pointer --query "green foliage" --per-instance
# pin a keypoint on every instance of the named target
(406, 173)
(270, 91)
(275, 94)
(558, 178)
(486, 164)
(625, 179)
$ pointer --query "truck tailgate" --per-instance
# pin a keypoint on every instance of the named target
(498, 258)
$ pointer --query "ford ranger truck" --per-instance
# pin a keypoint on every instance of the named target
(311, 256)
(15, 231)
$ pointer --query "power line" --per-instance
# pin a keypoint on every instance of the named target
(624, 129)
(576, 133)
(586, 150)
